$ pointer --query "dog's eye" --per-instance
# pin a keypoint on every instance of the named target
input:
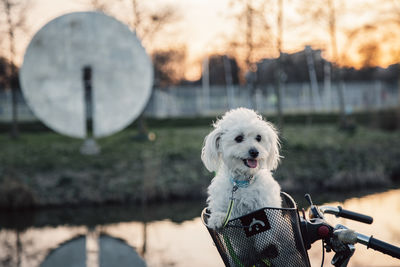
(258, 138)
(239, 138)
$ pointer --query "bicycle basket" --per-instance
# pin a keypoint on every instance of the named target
(266, 237)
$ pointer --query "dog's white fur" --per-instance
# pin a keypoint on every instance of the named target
(224, 155)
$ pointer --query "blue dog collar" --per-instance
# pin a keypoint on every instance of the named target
(242, 183)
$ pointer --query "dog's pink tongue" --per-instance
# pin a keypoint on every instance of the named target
(252, 163)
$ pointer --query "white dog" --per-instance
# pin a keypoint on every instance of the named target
(242, 149)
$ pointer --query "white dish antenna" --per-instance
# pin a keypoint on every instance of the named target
(85, 74)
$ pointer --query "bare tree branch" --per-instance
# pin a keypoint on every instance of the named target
(254, 32)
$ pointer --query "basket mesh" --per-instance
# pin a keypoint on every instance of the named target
(266, 237)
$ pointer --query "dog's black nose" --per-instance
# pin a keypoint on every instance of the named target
(253, 153)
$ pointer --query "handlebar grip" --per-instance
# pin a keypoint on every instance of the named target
(384, 247)
(354, 216)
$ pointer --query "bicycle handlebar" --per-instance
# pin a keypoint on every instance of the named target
(340, 212)
(348, 236)
(354, 216)
(384, 247)
(317, 228)
(370, 242)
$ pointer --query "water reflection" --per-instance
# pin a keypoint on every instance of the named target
(32, 238)
(170, 235)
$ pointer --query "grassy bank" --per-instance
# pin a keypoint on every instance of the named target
(45, 168)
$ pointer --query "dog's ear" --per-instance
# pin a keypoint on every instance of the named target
(274, 157)
(210, 151)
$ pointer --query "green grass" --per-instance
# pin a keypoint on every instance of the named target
(325, 158)
(45, 168)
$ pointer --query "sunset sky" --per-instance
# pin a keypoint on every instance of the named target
(205, 26)
(201, 23)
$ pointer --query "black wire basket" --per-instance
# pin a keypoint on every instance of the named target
(266, 237)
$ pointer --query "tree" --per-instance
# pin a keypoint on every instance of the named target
(375, 41)
(169, 66)
(259, 40)
(99, 5)
(150, 23)
(279, 41)
(12, 19)
(326, 12)
(380, 32)
(147, 25)
(252, 40)
(5, 78)
(223, 70)
(147, 22)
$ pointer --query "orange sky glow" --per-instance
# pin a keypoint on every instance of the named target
(207, 26)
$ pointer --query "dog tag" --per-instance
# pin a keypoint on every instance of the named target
(256, 222)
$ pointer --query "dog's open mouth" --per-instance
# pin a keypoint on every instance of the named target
(251, 163)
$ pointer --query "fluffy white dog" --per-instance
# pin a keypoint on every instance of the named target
(242, 149)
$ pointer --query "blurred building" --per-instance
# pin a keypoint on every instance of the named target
(294, 67)
(372, 88)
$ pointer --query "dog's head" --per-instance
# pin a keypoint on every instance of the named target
(243, 141)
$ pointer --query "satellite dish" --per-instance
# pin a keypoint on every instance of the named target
(85, 74)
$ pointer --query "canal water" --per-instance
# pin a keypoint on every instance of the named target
(170, 234)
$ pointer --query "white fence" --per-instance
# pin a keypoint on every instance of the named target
(296, 98)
